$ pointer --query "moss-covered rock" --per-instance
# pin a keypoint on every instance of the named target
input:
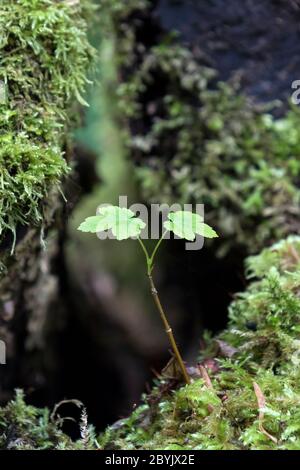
(43, 63)
(249, 398)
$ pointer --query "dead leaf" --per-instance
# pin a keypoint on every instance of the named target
(211, 364)
(205, 377)
(193, 372)
(208, 383)
(261, 401)
(171, 370)
(225, 349)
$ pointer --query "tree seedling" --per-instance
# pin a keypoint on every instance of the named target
(124, 224)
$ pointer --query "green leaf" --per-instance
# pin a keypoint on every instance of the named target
(187, 224)
(207, 231)
(121, 221)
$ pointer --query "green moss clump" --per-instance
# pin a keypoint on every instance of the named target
(262, 347)
(26, 178)
(259, 348)
(24, 427)
(44, 56)
(199, 141)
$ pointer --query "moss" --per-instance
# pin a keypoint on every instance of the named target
(44, 58)
(25, 178)
(24, 427)
(196, 139)
(250, 400)
(261, 346)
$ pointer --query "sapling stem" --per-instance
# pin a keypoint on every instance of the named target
(124, 224)
(157, 247)
(168, 329)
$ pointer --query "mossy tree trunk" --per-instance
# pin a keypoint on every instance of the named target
(44, 57)
(29, 290)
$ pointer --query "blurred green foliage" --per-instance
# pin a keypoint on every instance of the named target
(211, 146)
(104, 133)
(45, 55)
(197, 140)
(262, 346)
